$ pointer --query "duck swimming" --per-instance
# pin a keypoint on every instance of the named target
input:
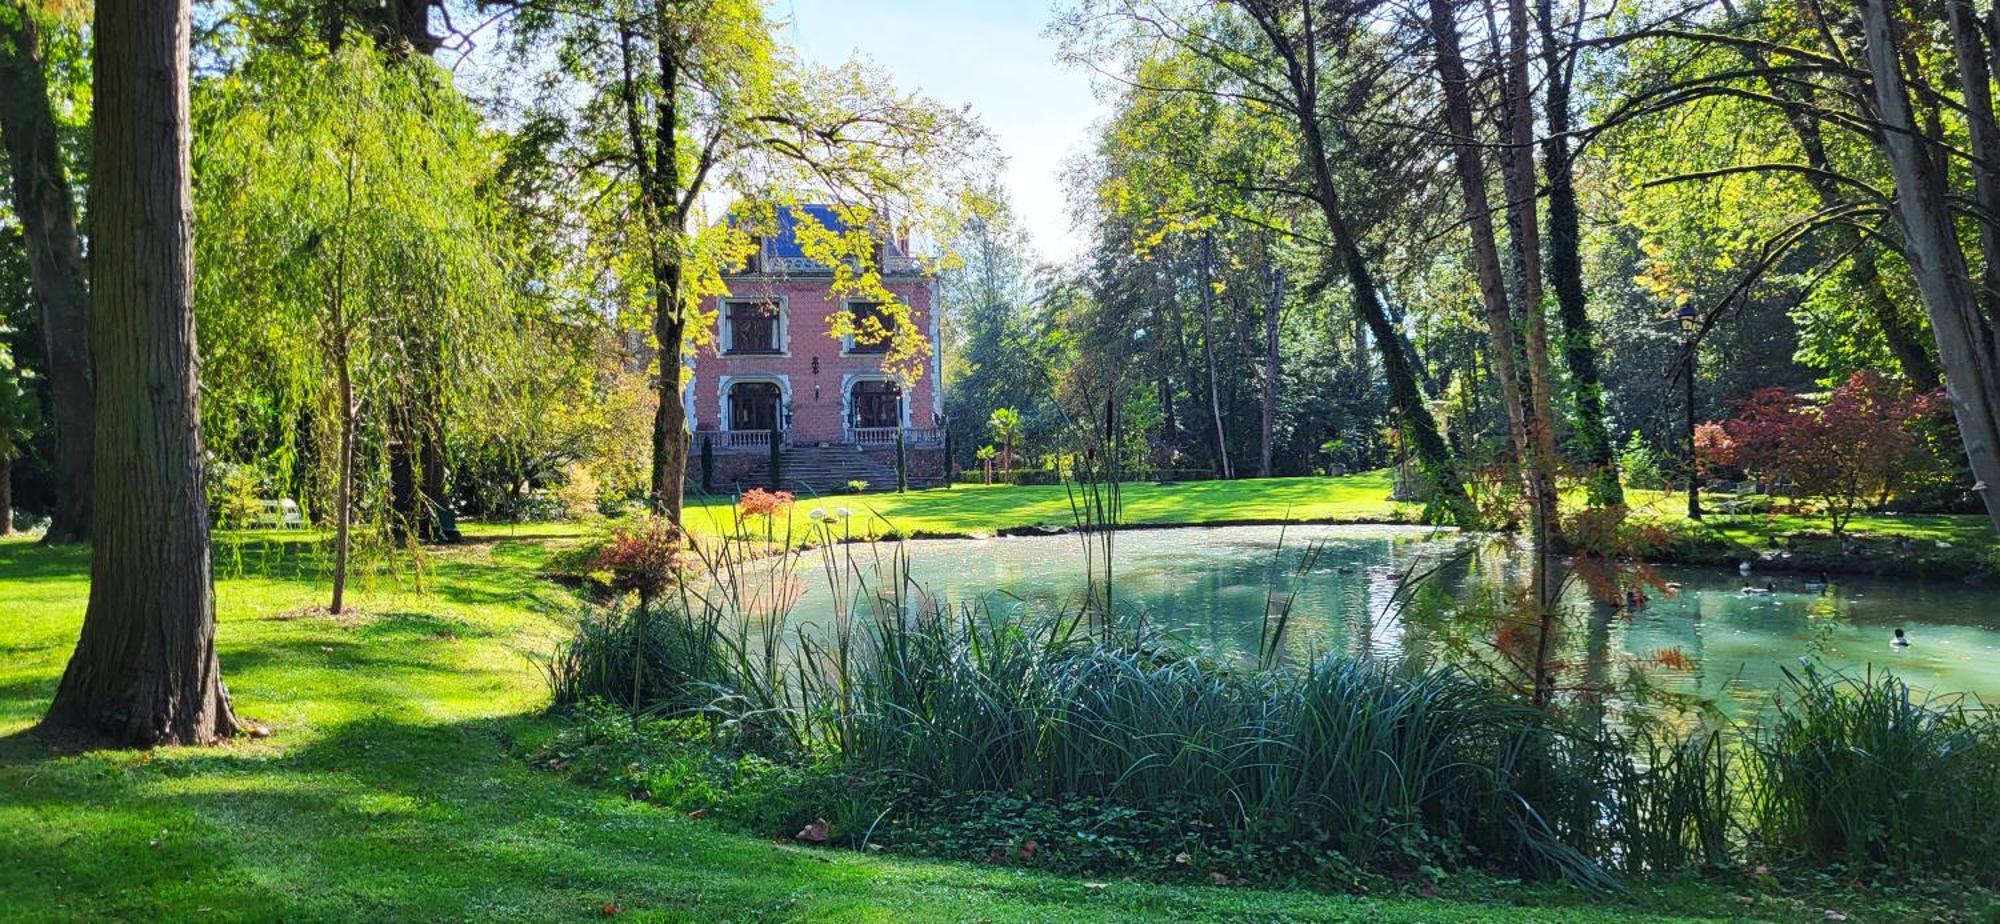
(1817, 584)
(1763, 591)
(1900, 640)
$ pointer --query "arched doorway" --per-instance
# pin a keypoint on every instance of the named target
(756, 405)
(875, 404)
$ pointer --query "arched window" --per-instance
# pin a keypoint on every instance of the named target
(876, 403)
(755, 406)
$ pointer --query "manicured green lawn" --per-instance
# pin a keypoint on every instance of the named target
(968, 510)
(391, 789)
(1907, 544)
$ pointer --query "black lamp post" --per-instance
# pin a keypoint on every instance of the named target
(1690, 327)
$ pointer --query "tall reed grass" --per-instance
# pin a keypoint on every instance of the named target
(1390, 766)
(1861, 770)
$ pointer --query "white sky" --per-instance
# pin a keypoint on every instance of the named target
(990, 54)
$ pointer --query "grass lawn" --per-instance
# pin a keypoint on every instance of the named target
(391, 789)
(1906, 544)
(982, 510)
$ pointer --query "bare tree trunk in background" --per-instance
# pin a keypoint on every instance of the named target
(1565, 269)
(1299, 54)
(1470, 165)
(1969, 50)
(145, 671)
(43, 205)
(1268, 426)
(1166, 319)
(6, 494)
(1965, 341)
(1517, 160)
(343, 503)
(1205, 279)
(340, 355)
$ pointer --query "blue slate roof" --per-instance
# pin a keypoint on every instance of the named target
(786, 244)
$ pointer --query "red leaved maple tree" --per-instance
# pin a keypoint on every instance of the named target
(1846, 452)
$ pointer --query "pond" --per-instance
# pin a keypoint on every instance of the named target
(1210, 588)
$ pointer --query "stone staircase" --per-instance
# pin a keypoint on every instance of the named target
(816, 471)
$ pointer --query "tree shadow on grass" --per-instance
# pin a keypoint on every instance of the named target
(392, 817)
(27, 562)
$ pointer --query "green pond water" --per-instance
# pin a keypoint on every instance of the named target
(1211, 589)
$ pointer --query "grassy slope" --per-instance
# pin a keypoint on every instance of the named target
(389, 790)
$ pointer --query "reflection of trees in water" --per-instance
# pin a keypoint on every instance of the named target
(1210, 591)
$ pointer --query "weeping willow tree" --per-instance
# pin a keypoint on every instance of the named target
(354, 273)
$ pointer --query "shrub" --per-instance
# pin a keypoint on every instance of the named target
(578, 493)
(1640, 463)
(1849, 451)
(238, 497)
(857, 486)
(758, 502)
(644, 558)
(1858, 770)
(650, 658)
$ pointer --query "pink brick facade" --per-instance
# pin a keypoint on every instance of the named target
(815, 375)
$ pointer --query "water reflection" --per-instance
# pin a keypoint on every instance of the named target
(1212, 589)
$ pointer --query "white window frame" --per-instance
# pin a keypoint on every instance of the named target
(847, 340)
(723, 384)
(726, 335)
(847, 383)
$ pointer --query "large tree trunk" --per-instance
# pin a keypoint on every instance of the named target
(1965, 343)
(1405, 394)
(1969, 49)
(659, 203)
(145, 671)
(47, 214)
(1471, 168)
(1565, 271)
(670, 439)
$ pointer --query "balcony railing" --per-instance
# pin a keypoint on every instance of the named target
(747, 439)
(886, 436)
(893, 265)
